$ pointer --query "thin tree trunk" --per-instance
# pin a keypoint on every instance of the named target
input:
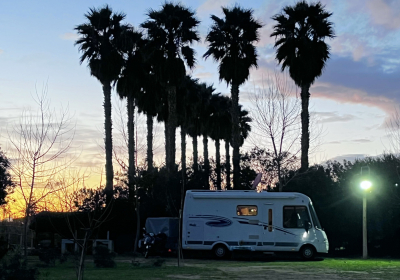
(108, 139)
(280, 177)
(206, 162)
(235, 136)
(195, 155)
(183, 151)
(172, 121)
(228, 165)
(81, 265)
(149, 142)
(305, 122)
(218, 163)
(166, 132)
(137, 220)
(131, 143)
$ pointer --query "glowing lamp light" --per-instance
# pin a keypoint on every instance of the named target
(365, 185)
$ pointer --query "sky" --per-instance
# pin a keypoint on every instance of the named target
(354, 98)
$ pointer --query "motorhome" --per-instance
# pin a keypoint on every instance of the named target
(224, 221)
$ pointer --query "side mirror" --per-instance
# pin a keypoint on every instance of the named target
(307, 226)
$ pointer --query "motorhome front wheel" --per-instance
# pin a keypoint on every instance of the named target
(307, 252)
(220, 251)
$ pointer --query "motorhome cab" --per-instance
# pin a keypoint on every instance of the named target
(223, 221)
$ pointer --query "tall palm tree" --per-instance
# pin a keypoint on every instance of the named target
(300, 32)
(219, 127)
(194, 122)
(231, 44)
(129, 84)
(206, 92)
(99, 41)
(171, 31)
(149, 100)
(186, 93)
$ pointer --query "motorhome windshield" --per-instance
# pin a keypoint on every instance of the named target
(314, 216)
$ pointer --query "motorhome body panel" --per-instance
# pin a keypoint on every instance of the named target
(248, 220)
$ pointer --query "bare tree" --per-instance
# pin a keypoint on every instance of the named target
(92, 213)
(41, 141)
(276, 119)
(393, 131)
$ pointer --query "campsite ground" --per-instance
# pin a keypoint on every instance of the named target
(238, 268)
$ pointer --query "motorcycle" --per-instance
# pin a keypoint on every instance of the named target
(153, 243)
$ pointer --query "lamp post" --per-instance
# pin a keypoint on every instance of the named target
(365, 185)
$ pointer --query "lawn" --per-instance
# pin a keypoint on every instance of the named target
(276, 269)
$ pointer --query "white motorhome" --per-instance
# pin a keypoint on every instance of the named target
(224, 221)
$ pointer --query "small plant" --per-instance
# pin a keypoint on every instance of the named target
(103, 257)
(49, 256)
(159, 262)
(14, 268)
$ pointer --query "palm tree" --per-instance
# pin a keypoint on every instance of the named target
(193, 127)
(231, 44)
(187, 93)
(219, 127)
(149, 100)
(171, 31)
(206, 92)
(99, 41)
(300, 33)
(129, 84)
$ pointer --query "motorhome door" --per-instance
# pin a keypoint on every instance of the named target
(268, 239)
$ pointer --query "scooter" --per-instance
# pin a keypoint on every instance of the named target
(153, 243)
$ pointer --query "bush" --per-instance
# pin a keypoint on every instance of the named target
(103, 257)
(3, 247)
(49, 256)
(14, 268)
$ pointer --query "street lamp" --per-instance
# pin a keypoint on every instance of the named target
(365, 186)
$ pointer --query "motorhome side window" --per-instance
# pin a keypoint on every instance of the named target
(246, 210)
(295, 216)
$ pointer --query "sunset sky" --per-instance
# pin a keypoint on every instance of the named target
(353, 99)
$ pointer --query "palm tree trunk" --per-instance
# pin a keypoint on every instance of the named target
(195, 155)
(131, 143)
(172, 121)
(228, 165)
(206, 162)
(108, 139)
(218, 163)
(235, 136)
(183, 151)
(149, 142)
(305, 122)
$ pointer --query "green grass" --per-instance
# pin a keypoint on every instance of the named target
(233, 269)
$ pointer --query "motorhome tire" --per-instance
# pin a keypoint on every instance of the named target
(307, 252)
(220, 251)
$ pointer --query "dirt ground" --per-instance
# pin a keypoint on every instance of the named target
(288, 270)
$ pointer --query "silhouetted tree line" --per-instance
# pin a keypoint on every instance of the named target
(335, 191)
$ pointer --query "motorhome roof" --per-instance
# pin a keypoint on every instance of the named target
(244, 194)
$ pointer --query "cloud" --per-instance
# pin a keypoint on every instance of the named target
(385, 13)
(348, 157)
(347, 44)
(212, 6)
(329, 117)
(343, 94)
(361, 140)
(203, 75)
(69, 36)
(1, 51)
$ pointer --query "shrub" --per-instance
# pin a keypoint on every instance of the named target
(14, 268)
(103, 257)
(49, 256)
